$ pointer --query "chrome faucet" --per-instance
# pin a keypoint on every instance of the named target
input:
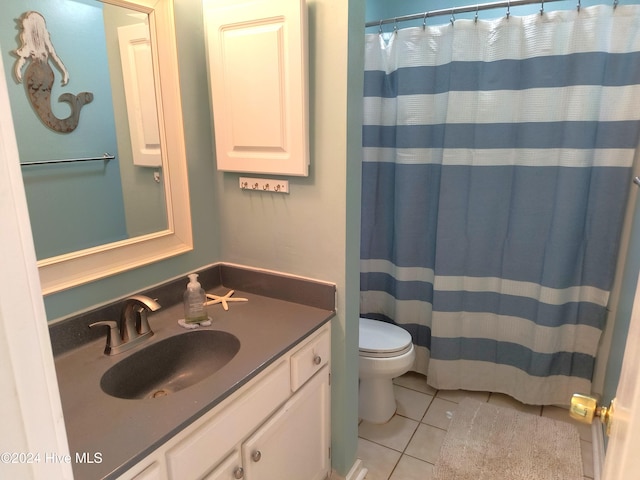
(133, 326)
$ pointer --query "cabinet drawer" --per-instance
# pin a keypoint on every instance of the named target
(204, 448)
(310, 358)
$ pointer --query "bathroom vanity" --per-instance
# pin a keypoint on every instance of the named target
(277, 426)
(263, 415)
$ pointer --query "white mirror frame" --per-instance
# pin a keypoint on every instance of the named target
(76, 268)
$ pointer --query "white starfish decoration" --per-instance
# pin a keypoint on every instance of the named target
(224, 299)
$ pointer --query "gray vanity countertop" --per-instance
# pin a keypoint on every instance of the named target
(124, 431)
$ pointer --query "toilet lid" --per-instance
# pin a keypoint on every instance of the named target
(383, 339)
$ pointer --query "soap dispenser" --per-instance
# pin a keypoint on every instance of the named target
(194, 299)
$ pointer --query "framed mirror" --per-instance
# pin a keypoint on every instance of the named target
(93, 217)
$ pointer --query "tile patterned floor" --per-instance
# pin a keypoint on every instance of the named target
(407, 447)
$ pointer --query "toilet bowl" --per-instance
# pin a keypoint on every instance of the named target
(386, 352)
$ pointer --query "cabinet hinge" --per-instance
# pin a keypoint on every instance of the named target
(329, 378)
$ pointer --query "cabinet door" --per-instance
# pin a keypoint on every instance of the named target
(257, 61)
(229, 469)
(137, 75)
(294, 443)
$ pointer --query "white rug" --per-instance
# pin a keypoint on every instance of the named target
(487, 442)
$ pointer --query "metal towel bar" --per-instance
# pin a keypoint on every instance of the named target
(105, 156)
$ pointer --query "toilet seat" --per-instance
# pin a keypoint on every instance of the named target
(383, 340)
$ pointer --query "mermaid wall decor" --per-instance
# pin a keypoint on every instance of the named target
(36, 50)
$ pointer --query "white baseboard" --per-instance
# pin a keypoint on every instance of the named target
(597, 439)
(357, 472)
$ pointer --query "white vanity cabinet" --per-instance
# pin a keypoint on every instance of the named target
(258, 73)
(275, 427)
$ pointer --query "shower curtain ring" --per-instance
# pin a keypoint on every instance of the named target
(542, 8)
(508, 9)
(380, 28)
(615, 4)
(395, 26)
(475, 18)
(578, 6)
(424, 20)
(453, 18)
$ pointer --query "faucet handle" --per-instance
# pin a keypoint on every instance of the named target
(145, 302)
(142, 305)
(133, 320)
(143, 321)
(113, 337)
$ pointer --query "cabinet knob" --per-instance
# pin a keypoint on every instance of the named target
(238, 472)
(256, 456)
(317, 359)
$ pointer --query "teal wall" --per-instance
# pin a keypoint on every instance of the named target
(84, 192)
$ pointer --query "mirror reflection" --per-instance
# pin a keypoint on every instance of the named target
(103, 49)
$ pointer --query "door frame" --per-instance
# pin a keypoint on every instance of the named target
(33, 422)
(622, 461)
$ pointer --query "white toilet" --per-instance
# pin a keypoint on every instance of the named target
(386, 352)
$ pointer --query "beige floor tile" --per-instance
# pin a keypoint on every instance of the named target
(380, 446)
(440, 413)
(458, 395)
(395, 434)
(411, 404)
(503, 400)
(415, 381)
(562, 414)
(410, 468)
(426, 442)
(379, 460)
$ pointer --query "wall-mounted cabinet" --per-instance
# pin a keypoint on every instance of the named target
(258, 75)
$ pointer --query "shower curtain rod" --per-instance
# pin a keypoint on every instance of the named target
(466, 9)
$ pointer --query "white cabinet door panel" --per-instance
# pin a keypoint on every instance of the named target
(257, 60)
(294, 443)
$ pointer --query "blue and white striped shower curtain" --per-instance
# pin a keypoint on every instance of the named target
(497, 163)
